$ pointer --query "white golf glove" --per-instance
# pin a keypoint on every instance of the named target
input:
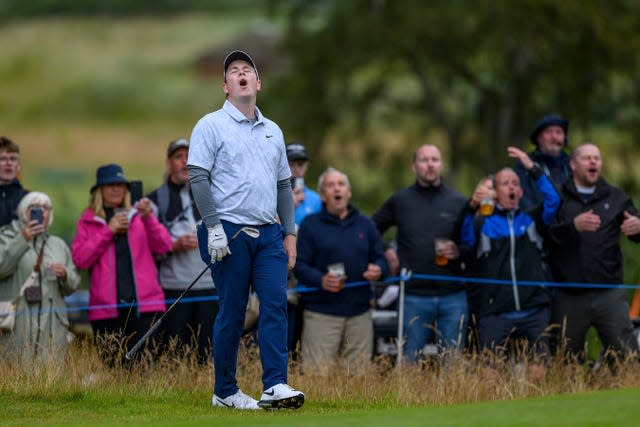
(217, 243)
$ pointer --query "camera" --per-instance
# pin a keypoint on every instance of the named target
(37, 214)
(135, 188)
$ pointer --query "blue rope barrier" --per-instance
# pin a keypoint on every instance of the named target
(301, 289)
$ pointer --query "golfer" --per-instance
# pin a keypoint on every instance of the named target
(239, 176)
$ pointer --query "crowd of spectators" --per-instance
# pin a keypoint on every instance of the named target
(551, 234)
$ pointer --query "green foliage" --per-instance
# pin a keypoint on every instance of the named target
(361, 83)
(16, 8)
(472, 77)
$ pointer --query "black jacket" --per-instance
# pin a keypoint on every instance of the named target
(421, 215)
(589, 257)
(10, 196)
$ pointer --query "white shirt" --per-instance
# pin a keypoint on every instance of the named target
(246, 160)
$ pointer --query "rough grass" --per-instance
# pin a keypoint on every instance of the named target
(170, 390)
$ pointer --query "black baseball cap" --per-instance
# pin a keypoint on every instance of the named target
(238, 55)
(175, 144)
(296, 151)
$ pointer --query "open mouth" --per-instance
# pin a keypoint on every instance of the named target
(243, 83)
(512, 196)
(337, 197)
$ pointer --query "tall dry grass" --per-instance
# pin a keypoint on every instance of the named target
(463, 379)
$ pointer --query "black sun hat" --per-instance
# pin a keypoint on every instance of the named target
(550, 120)
(109, 174)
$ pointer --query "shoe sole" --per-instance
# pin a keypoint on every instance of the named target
(293, 402)
(220, 404)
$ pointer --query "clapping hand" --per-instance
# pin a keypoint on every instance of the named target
(587, 221)
(631, 225)
(516, 153)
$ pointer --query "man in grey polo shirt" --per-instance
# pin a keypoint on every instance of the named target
(239, 176)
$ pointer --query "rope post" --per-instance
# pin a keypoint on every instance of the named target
(404, 274)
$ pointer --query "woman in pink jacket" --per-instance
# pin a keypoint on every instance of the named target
(117, 243)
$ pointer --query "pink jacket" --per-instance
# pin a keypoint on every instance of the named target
(94, 249)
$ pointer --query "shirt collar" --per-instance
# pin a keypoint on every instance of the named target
(237, 114)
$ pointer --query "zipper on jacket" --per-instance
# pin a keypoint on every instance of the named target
(512, 260)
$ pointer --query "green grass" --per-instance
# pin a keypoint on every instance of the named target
(605, 408)
(167, 390)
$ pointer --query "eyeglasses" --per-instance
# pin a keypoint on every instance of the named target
(43, 207)
(9, 159)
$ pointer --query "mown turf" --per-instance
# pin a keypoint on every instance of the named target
(605, 408)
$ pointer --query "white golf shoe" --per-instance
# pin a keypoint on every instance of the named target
(239, 400)
(281, 396)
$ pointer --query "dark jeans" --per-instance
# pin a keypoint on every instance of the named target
(605, 309)
(497, 330)
(114, 337)
(443, 315)
(262, 262)
(191, 322)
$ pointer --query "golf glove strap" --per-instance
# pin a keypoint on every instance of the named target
(218, 244)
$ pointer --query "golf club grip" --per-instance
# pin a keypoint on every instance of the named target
(142, 340)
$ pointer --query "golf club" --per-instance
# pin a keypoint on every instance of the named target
(250, 231)
(155, 326)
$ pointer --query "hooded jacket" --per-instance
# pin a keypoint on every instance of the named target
(10, 196)
(589, 257)
(94, 249)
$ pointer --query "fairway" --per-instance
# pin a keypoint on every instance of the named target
(604, 408)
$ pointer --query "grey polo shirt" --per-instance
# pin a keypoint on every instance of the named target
(245, 158)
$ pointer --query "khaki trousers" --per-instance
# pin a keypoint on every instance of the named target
(327, 339)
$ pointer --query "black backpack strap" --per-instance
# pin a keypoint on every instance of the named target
(163, 203)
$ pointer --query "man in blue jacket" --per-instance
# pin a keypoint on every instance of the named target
(337, 245)
(306, 200)
(507, 245)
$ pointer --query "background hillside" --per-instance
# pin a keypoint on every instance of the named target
(79, 92)
(361, 83)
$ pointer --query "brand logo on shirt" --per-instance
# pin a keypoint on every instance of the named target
(268, 136)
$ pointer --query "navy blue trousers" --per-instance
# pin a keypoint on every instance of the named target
(262, 263)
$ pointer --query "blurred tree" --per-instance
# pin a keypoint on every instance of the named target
(10, 9)
(473, 75)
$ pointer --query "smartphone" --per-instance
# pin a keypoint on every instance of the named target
(135, 188)
(36, 213)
